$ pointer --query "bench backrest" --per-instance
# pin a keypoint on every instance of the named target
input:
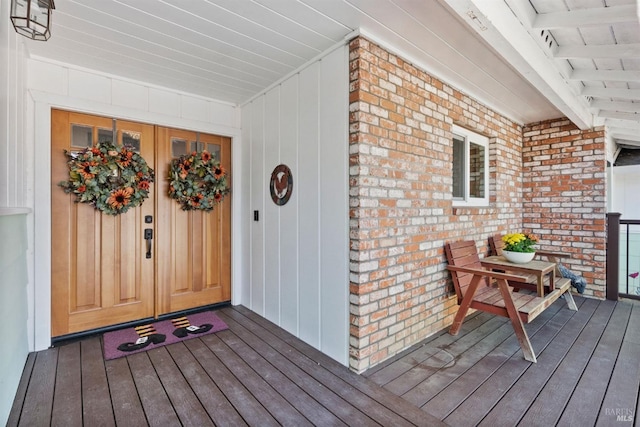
(462, 254)
(496, 244)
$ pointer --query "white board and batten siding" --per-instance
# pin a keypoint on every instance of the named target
(299, 252)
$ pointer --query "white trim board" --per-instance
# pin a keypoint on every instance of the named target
(39, 294)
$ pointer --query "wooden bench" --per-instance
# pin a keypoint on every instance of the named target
(495, 248)
(490, 291)
(496, 245)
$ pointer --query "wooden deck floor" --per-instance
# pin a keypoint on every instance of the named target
(254, 373)
(588, 370)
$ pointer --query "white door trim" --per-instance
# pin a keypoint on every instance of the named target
(39, 293)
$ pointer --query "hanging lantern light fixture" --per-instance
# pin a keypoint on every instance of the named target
(32, 18)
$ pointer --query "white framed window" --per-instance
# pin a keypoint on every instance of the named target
(470, 168)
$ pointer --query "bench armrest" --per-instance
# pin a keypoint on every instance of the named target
(488, 273)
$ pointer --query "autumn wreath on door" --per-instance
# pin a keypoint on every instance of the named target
(197, 181)
(112, 179)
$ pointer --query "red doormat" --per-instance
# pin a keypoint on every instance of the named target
(142, 338)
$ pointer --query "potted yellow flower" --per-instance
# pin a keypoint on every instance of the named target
(518, 247)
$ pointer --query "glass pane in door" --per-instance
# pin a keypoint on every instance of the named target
(131, 139)
(214, 150)
(81, 136)
(105, 135)
(178, 147)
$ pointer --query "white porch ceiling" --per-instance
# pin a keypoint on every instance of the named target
(495, 50)
(584, 55)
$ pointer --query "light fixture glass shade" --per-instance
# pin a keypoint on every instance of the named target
(32, 18)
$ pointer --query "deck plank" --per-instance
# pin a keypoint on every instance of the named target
(38, 401)
(281, 410)
(126, 403)
(448, 395)
(584, 405)
(316, 405)
(358, 391)
(67, 398)
(393, 368)
(155, 402)
(232, 387)
(550, 402)
(96, 400)
(184, 400)
(426, 389)
(508, 393)
(621, 398)
(212, 399)
(502, 339)
(484, 349)
(23, 384)
(497, 328)
(257, 374)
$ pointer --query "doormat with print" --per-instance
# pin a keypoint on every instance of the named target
(145, 337)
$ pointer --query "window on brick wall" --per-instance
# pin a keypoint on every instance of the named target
(470, 168)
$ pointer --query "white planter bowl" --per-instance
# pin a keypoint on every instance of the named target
(518, 257)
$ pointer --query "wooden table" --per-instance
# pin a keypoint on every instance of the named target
(538, 268)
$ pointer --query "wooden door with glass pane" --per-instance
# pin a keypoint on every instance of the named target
(100, 273)
(193, 247)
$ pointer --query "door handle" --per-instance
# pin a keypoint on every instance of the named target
(148, 236)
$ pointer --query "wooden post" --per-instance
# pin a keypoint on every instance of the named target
(613, 254)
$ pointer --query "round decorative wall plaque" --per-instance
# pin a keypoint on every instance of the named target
(281, 185)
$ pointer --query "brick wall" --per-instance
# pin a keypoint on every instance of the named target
(564, 196)
(400, 198)
(401, 211)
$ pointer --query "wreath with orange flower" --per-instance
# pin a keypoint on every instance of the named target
(197, 181)
(112, 179)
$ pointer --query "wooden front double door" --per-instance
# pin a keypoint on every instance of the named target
(102, 273)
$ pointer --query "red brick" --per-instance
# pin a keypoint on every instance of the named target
(400, 197)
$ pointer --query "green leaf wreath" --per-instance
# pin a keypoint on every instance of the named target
(112, 179)
(197, 181)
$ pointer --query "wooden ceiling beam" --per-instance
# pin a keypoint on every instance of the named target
(626, 107)
(625, 124)
(605, 92)
(605, 75)
(619, 115)
(616, 51)
(585, 17)
(626, 136)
